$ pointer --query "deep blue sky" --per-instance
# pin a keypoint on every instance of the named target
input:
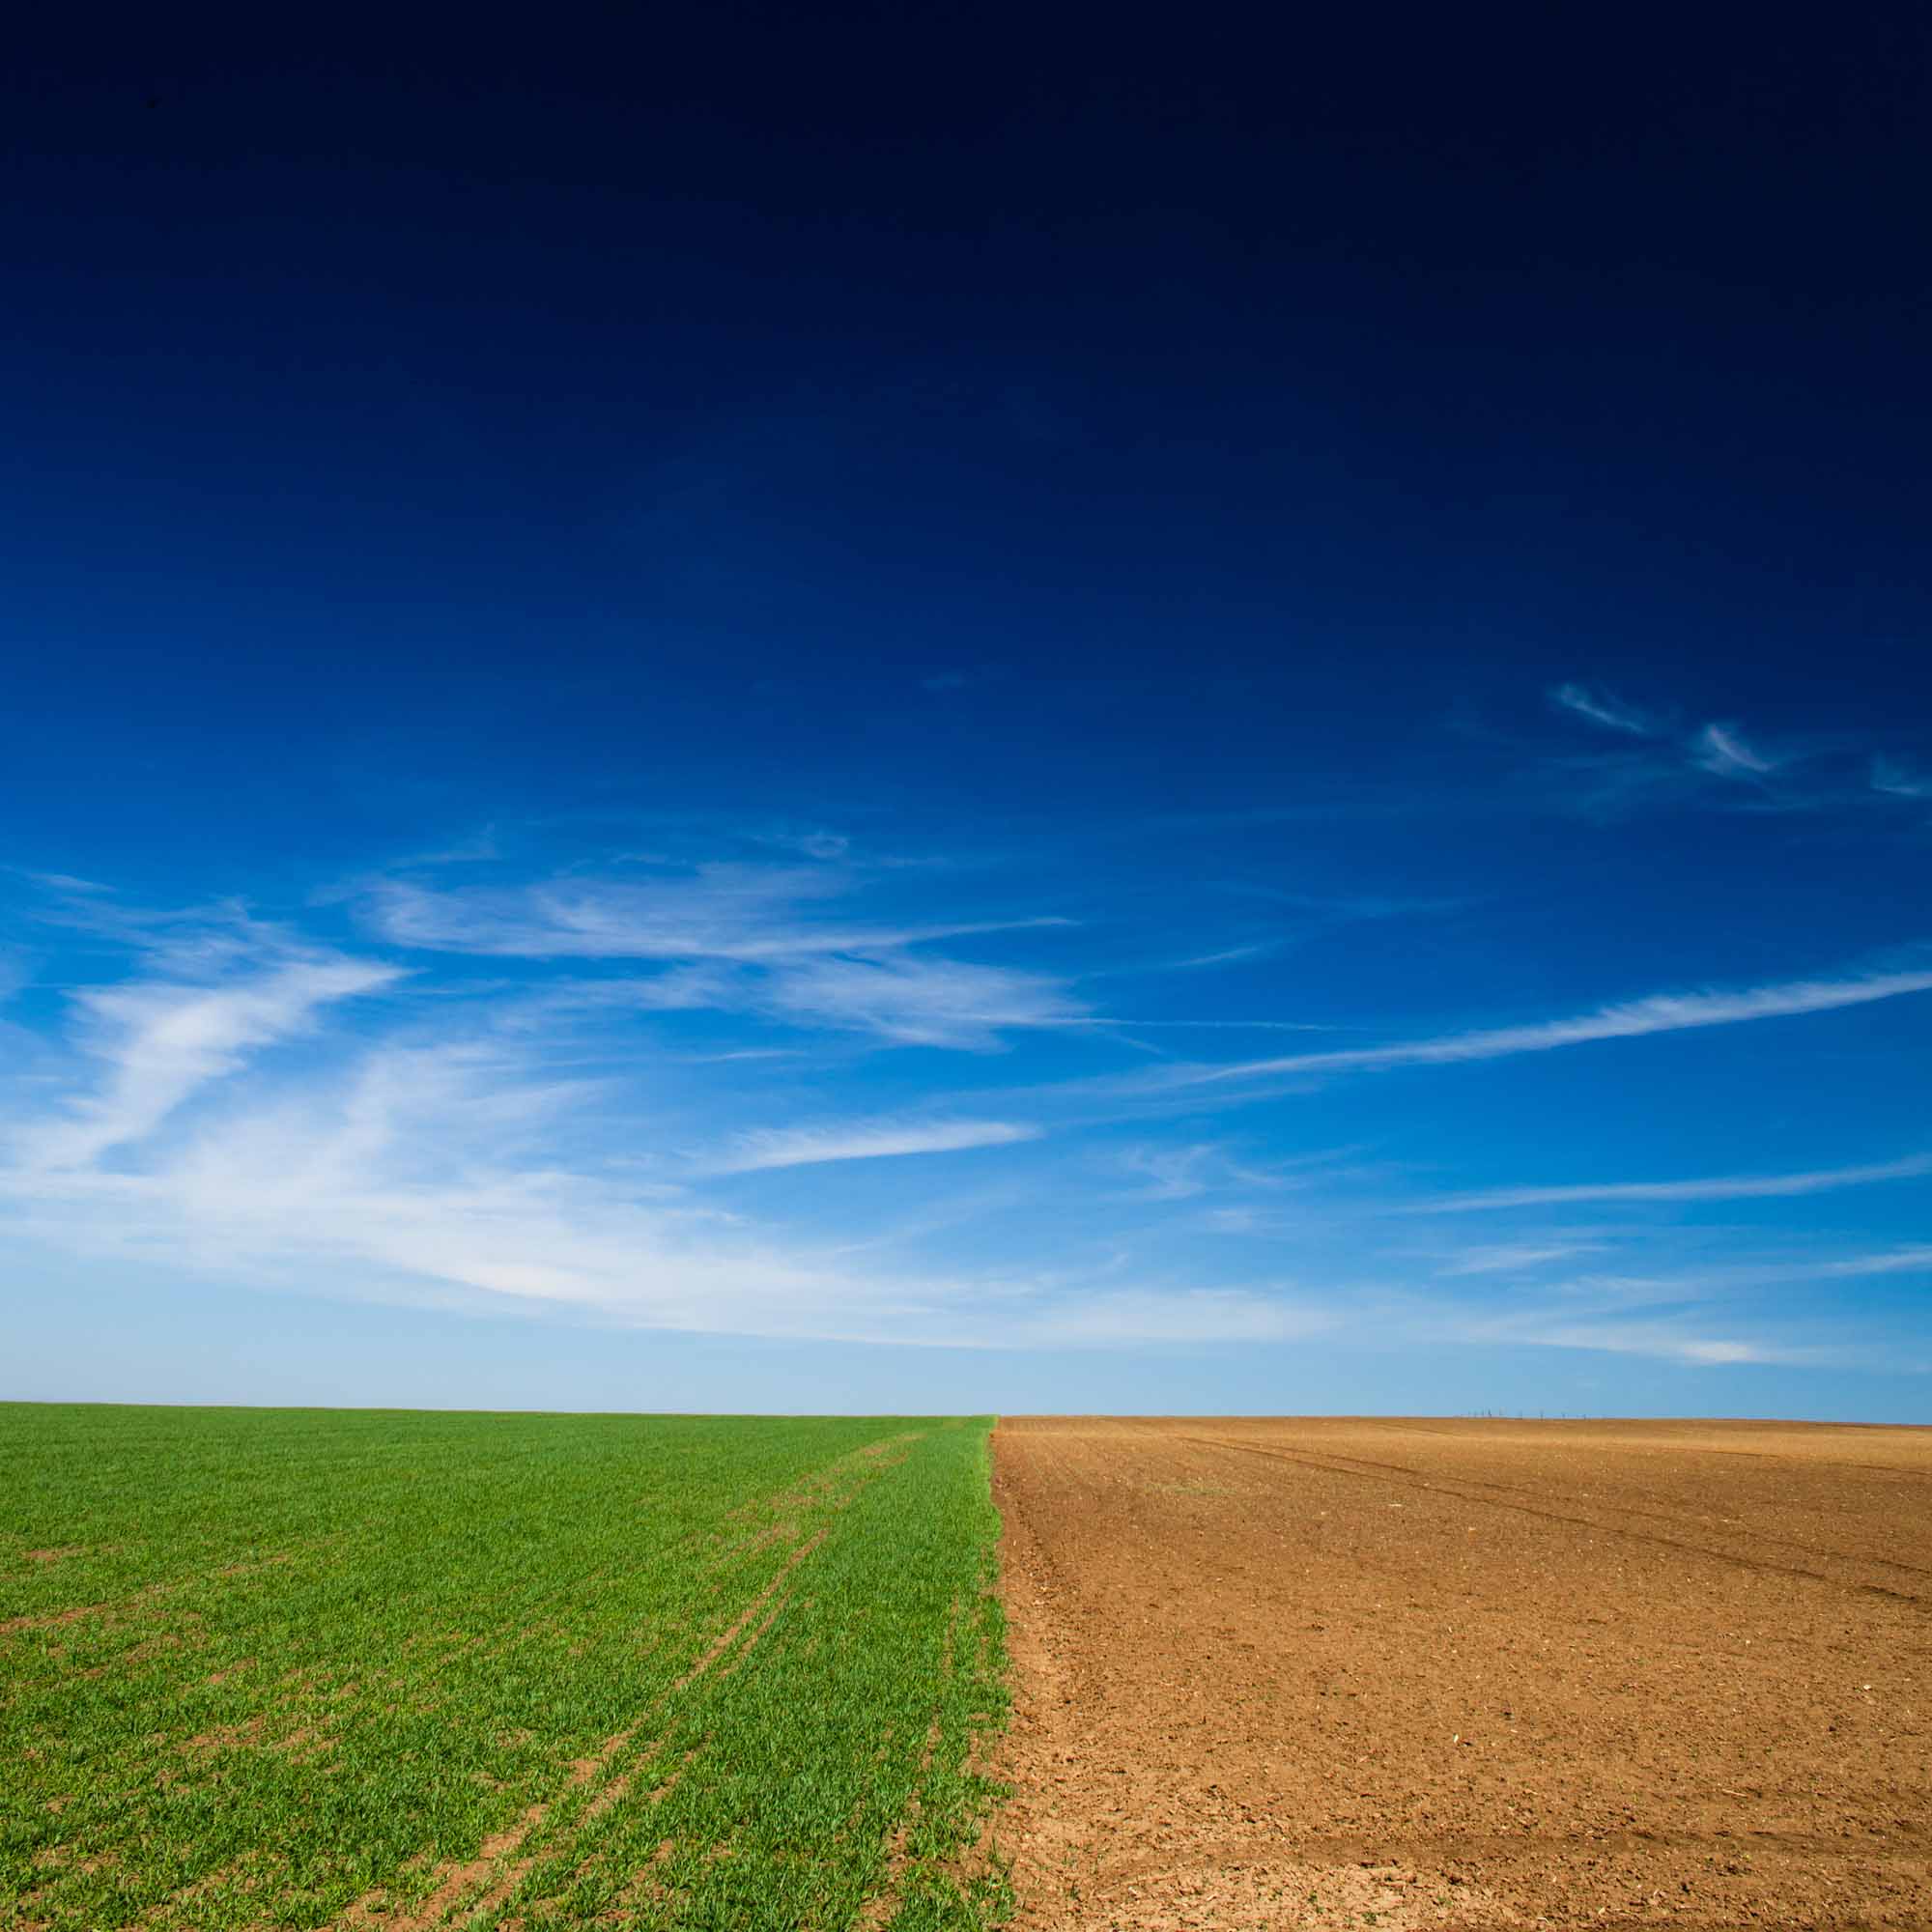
(804, 708)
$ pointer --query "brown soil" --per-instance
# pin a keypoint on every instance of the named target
(1279, 1673)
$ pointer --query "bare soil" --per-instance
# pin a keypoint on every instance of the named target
(1278, 1673)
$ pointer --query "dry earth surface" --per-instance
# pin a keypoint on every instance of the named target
(1415, 1673)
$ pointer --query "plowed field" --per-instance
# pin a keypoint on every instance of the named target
(1468, 1673)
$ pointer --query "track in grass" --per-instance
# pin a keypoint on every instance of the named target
(315, 1668)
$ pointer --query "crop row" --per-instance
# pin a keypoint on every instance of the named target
(306, 1668)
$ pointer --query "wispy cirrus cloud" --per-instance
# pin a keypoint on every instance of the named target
(1514, 1256)
(1722, 1187)
(503, 1148)
(1663, 1341)
(1633, 1019)
(1895, 778)
(157, 1045)
(776, 941)
(916, 999)
(454, 1169)
(1179, 1172)
(903, 999)
(1604, 709)
(1896, 1261)
(875, 1140)
(1657, 760)
(1723, 750)
(459, 1171)
(581, 1094)
(1170, 1172)
(742, 913)
(1668, 1321)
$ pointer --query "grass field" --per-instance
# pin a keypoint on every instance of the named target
(317, 1668)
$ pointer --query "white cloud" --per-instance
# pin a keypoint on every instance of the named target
(1663, 1339)
(1720, 1351)
(1660, 763)
(1660, 1013)
(801, 1147)
(435, 1174)
(812, 841)
(744, 939)
(506, 1137)
(1172, 1173)
(1228, 955)
(1604, 1316)
(161, 1041)
(1648, 1338)
(1898, 1261)
(1179, 1173)
(1898, 781)
(444, 1160)
(719, 912)
(1602, 709)
(1237, 1221)
(1510, 1257)
(433, 1168)
(1721, 749)
(62, 882)
(916, 1001)
(751, 913)
(1725, 1187)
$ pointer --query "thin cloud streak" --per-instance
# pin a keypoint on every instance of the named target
(1656, 761)
(1897, 780)
(1660, 1013)
(1725, 1187)
(743, 914)
(1599, 708)
(803, 1147)
(736, 938)
(1721, 749)
(1510, 1257)
(916, 1002)
(1899, 1261)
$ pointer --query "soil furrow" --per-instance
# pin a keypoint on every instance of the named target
(1266, 1676)
(1385, 1471)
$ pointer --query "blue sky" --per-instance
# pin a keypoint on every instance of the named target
(672, 769)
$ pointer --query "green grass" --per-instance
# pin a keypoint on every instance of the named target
(304, 1669)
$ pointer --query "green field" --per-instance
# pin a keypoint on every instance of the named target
(309, 1668)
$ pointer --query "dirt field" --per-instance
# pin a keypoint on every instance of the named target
(1463, 1673)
